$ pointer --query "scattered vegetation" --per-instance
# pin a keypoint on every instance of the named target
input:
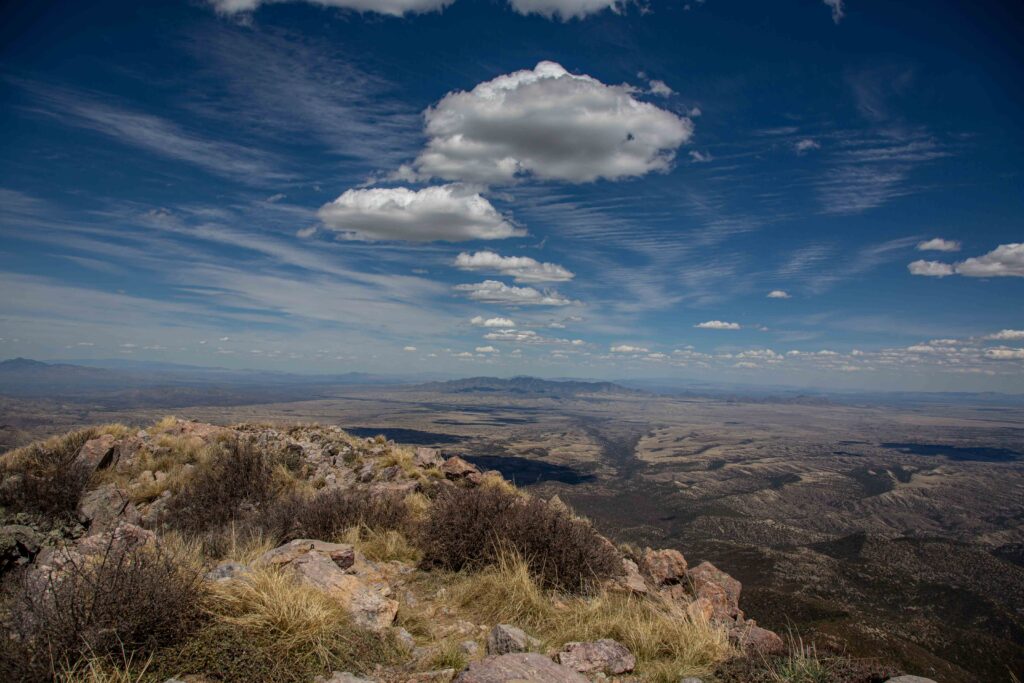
(268, 627)
(46, 479)
(470, 529)
(127, 598)
(667, 643)
(234, 481)
(328, 514)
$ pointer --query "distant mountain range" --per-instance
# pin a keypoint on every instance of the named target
(531, 386)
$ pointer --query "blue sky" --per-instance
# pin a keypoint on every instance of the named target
(790, 192)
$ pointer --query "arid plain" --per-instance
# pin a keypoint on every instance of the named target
(899, 528)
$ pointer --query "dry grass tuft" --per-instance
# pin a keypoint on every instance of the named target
(383, 545)
(667, 643)
(270, 627)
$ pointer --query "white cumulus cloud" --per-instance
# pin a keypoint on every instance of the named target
(495, 292)
(806, 145)
(409, 348)
(717, 325)
(1007, 335)
(1005, 353)
(564, 9)
(930, 268)
(628, 348)
(1006, 260)
(486, 349)
(938, 244)
(394, 8)
(521, 268)
(778, 294)
(837, 9)
(548, 123)
(480, 321)
(449, 213)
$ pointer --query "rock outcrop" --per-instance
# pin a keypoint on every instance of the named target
(601, 656)
(520, 668)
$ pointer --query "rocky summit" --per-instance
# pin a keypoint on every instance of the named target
(196, 552)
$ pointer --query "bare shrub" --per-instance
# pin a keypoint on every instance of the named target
(471, 528)
(126, 598)
(236, 481)
(329, 513)
(46, 478)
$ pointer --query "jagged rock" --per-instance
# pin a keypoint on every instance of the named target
(524, 667)
(341, 554)
(665, 567)
(18, 545)
(910, 679)
(342, 677)
(457, 468)
(337, 570)
(427, 457)
(389, 473)
(201, 430)
(600, 656)
(630, 580)
(701, 609)
(719, 588)
(469, 648)
(107, 506)
(227, 570)
(753, 639)
(506, 639)
(99, 453)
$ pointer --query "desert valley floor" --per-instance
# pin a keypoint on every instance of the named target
(897, 529)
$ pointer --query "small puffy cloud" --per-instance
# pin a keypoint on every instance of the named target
(628, 348)
(547, 123)
(695, 112)
(806, 145)
(480, 321)
(717, 325)
(395, 8)
(449, 213)
(493, 291)
(486, 349)
(410, 349)
(698, 157)
(1006, 260)
(778, 294)
(1007, 335)
(564, 10)
(837, 9)
(938, 244)
(521, 268)
(660, 88)
(930, 268)
(1005, 353)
